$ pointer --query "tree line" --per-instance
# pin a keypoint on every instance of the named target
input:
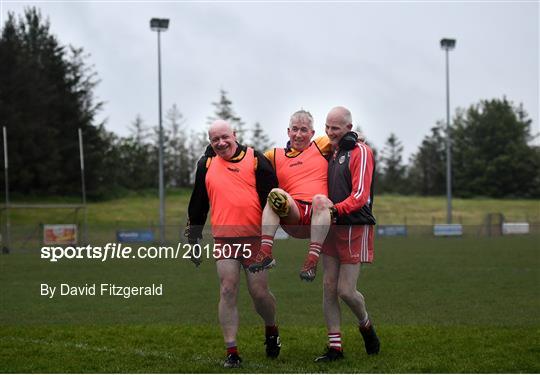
(492, 155)
(47, 93)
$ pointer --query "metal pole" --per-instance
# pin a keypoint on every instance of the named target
(85, 220)
(448, 147)
(7, 242)
(161, 182)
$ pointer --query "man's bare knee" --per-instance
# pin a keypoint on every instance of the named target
(321, 202)
(259, 292)
(228, 290)
(347, 293)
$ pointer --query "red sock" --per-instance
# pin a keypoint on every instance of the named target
(232, 350)
(314, 251)
(267, 242)
(271, 330)
(334, 340)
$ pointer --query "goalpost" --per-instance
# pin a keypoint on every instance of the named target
(6, 237)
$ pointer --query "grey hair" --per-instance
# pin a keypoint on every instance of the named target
(302, 115)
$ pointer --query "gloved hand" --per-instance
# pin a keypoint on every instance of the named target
(196, 260)
(193, 240)
(333, 214)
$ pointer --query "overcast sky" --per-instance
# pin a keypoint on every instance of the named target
(380, 59)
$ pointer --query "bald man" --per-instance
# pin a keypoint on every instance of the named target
(234, 181)
(350, 240)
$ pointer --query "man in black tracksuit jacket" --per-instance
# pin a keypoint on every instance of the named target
(350, 241)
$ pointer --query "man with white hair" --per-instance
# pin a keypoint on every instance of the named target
(234, 181)
(350, 241)
(301, 169)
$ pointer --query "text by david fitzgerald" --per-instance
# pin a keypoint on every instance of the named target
(51, 291)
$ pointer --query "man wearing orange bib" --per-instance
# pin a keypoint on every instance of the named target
(227, 171)
(302, 170)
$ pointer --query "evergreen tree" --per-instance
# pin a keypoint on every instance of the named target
(176, 160)
(139, 132)
(138, 158)
(46, 94)
(427, 173)
(260, 140)
(393, 170)
(224, 111)
(492, 153)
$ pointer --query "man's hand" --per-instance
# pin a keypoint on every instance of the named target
(188, 233)
(196, 260)
(333, 214)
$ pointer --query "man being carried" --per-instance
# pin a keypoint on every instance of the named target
(302, 170)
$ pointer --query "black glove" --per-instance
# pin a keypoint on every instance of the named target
(348, 141)
(196, 260)
(193, 239)
(333, 214)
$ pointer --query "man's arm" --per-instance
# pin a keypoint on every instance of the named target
(361, 167)
(271, 156)
(265, 177)
(324, 145)
(199, 203)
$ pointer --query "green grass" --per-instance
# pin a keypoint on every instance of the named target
(439, 305)
(181, 349)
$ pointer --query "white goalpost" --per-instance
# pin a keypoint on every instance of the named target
(7, 207)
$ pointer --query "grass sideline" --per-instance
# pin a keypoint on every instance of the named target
(142, 209)
(440, 305)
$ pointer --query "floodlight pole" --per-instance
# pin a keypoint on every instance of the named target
(85, 222)
(7, 242)
(448, 45)
(159, 25)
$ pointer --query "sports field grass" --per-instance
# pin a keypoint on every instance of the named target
(142, 209)
(439, 305)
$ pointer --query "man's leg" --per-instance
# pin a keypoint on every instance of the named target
(270, 224)
(229, 278)
(348, 277)
(265, 305)
(320, 224)
(331, 309)
(263, 300)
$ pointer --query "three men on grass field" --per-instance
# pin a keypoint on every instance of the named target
(229, 170)
(312, 191)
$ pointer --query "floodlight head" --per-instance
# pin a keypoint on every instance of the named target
(448, 44)
(159, 24)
